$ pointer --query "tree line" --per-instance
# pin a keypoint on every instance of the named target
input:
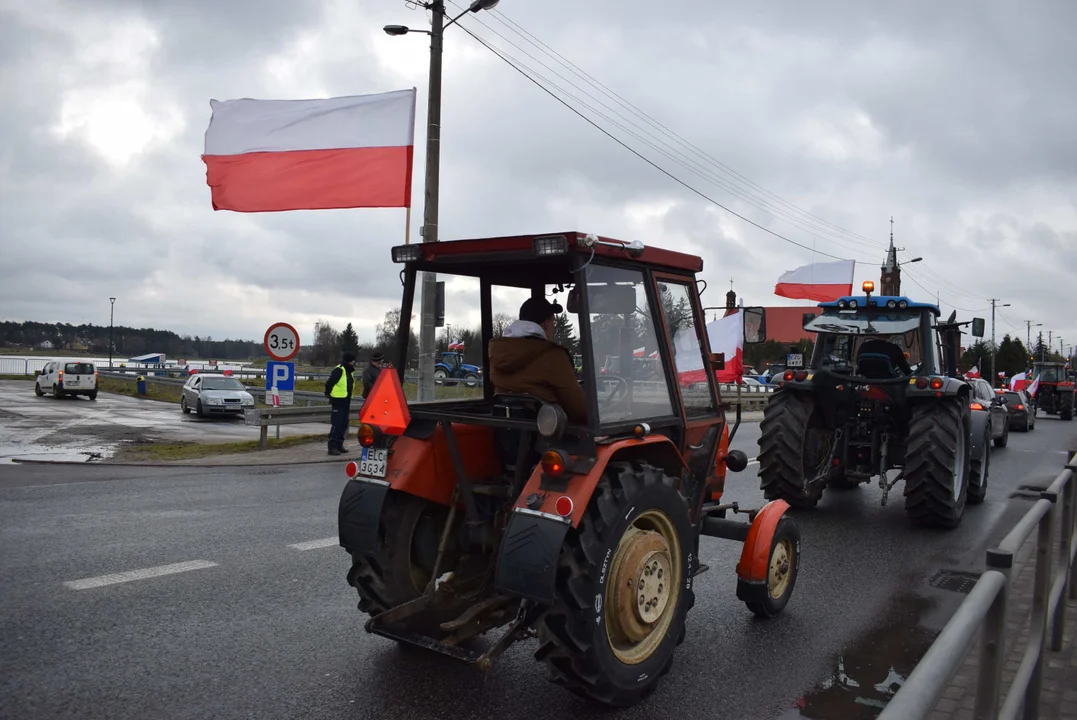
(126, 341)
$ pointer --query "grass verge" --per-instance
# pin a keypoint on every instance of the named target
(154, 391)
(163, 452)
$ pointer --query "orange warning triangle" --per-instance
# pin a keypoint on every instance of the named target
(386, 406)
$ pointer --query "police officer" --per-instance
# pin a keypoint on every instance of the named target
(338, 388)
(370, 373)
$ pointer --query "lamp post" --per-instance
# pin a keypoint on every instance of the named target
(993, 302)
(433, 165)
(111, 310)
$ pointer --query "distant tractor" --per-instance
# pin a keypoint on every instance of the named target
(877, 396)
(452, 366)
(466, 515)
(1055, 395)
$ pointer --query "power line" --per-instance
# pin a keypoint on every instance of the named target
(528, 72)
(697, 167)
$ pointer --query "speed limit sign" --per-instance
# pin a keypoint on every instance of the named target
(281, 342)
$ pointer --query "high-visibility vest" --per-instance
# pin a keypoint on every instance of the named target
(340, 390)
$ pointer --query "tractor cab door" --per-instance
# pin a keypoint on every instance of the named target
(687, 366)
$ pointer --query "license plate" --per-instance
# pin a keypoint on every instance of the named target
(794, 360)
(372, 462)
(73, 382)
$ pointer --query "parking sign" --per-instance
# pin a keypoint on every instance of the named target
(282, 375)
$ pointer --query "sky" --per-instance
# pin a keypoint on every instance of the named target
(818, 121)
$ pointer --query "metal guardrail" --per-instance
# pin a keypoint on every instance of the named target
(984, 610)
(264, 417)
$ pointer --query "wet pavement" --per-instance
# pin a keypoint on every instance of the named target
(261, 623)
(80, 429)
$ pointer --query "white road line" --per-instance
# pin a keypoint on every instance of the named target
(143, 574)
(315, 544)
(753, 461)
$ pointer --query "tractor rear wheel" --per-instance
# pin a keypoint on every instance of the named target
(1066, 411)
(793, 448)
(408, 536)
(937, 463)
(624, 588)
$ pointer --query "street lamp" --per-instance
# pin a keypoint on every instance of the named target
(908, 262)
(112, 308)
(433, 163)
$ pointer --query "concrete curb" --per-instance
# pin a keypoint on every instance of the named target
(178, 463)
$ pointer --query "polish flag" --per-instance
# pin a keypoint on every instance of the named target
(343, 152)
(1034, 387)
(726, 335)
(974, 372)
(819, 281)
(638, 352)
(1019, 381)
(458, 345)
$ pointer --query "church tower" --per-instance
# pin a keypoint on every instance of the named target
(890, 278)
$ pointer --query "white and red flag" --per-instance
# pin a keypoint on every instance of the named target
(726, 335)
(458, 346)
(343, 152)
(974, 371)
(1034, 387)
(818, 281)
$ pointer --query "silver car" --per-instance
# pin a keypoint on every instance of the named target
(208, 394)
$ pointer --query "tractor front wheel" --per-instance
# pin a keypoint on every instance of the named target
(794, 448)
(937, 463)
(1066, 411)
(624, 588)
(783, 565)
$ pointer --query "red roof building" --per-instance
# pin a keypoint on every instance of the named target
(786, 324)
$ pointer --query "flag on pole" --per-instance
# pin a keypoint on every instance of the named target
(1034, 387)
(457, 346)
(342, 152)
(818, 281)
(974, 371)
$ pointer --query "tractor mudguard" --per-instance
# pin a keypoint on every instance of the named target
(527, 560)
(658, 450)
(754, 564)
(359, 514)
(422, 466)
(979, 426)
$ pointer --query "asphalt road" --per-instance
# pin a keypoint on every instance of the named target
(78, 428)
(262, 625)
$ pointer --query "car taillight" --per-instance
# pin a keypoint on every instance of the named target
(788, 375)
(936, 383)
(553, 463)
(1019, 406)
(975, 406)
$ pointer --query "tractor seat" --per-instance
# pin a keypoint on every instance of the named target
(507, 440)
(874, 365)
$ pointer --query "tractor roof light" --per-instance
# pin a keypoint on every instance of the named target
(842, 304)
(854, 304)
(903, 304)
(550, 245)
(891, 304)
(554, 463)
(869, 286)
(406, 253)
(551, 421)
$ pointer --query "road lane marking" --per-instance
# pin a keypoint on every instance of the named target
(753, 461)
(315, 544)
(143, 574)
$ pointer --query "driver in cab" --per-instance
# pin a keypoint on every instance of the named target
(526, 360)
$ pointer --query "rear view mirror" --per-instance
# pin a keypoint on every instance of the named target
(977, 327)
(755, 325)
(611, 299)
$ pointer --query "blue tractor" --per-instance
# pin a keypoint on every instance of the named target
(452, 366)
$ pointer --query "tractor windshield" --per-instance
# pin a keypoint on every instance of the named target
(1049, 373)
(623, 326)
(853, 322)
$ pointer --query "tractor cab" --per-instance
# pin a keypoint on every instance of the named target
(471, 508)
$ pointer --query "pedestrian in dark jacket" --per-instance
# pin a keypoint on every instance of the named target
(339, 388)
(370, 373)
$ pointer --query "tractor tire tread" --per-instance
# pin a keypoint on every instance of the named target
(785, 421)
(932, 444)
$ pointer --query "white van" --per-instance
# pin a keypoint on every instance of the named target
(67, 377)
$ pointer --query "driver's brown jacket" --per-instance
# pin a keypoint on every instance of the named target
(539, 367)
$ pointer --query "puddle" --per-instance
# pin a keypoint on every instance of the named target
(11, 453)
(867, 674)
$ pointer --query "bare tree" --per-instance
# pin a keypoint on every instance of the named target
(326, 342)
(502, 321)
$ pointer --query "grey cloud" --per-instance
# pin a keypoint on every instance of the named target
(969, 100)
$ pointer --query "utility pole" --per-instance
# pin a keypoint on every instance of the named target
(428, 280)
(112, 308)
(994, 379)
(1028, 333)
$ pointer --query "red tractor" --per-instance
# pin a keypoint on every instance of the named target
(1055, 395)
(470, 514)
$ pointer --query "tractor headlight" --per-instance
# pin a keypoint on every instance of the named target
(406, 253)
(550, 245)
(903, 304)
(551, 421)
(891, 304)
